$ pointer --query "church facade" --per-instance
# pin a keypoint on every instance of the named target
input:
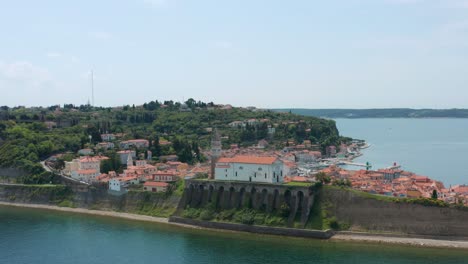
(250, 169)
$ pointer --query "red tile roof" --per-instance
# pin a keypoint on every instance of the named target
(249, 160)
(156, 184)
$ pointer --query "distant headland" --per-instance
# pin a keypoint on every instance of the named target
(379, 113)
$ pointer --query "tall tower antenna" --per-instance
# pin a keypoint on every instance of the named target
(92, 87)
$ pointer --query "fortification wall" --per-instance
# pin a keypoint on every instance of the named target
(264, 197)
(369, 214)
(256, 229)
(91, 197)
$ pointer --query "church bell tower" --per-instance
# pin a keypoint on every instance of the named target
(216, 151)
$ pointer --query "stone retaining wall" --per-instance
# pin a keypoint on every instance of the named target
(227, 195)
(255, 229)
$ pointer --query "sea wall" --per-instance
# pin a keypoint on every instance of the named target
(255, 229)
(349, 208)
(363, 213)
(45, 194)
(91, 197)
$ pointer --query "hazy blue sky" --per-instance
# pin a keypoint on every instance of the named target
(267, 53)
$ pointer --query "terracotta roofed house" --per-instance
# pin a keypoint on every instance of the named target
(155, 186)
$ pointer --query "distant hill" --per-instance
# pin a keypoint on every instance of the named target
(380, 113)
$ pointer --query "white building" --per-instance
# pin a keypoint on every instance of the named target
(237, 124)
(108, 137)
(85, 152)
(105, 145)
(121, 184)
(308, 156)
(250, 168)
(85, 175)
(138, 143)
(85, 168)
(123, 155)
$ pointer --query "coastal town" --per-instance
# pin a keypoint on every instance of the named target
(234, 132)
(298, 163)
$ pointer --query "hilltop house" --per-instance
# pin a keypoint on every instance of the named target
(107, 137)
(105, 145)
(137, 143)
(85, 152)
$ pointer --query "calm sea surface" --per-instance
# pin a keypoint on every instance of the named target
(437, 148)
(36, 236)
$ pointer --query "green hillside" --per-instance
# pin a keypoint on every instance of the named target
(25, 138)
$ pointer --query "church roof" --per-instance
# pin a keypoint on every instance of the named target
(249, 160)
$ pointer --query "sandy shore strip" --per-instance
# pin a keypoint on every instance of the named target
(375, 239)
(137, 217)
(419, 242)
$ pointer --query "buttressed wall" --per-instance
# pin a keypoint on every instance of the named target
(264, 197)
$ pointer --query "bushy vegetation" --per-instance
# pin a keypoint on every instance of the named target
(58, 194)
(66, 203)
(153, 203)
(322, 218)
(247, 216)
(342, 183)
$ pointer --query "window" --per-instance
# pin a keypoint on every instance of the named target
(241, 168)
(260, 169)
(265, 175)
(255, 174)
(236, 173)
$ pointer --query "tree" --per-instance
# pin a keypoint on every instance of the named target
(59, 164)
(190, 102)
(434, 195)
(94, 133)
(196, 150)
(156, 148)
(111, 164)
(322, 177)
(284, 209)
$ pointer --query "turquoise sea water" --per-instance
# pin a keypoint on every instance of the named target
(41, 236)
(437, 148)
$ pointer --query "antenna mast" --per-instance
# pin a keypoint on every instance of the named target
(92, 87)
